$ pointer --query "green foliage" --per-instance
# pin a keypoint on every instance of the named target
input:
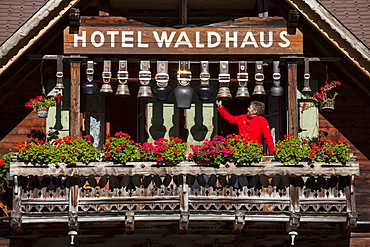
(164, 151)
(39, 152)
(291, 150)
(243, 151)
(120, 149)
(330, 152)
(73, 150)
(69, 150)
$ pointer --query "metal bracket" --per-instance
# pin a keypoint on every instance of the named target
(184, 222)
(294, 220)
(129, 222)
(239, 221)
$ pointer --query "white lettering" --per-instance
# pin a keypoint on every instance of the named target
(139, 44)
(197, 41)
(185, 42)
(163, 38)
(209, 39)
(249, 35)
(125, 39)
(228, 39)
(82, 38)
(112, 38)
(93, 41)
(262, 38)
(287, 41)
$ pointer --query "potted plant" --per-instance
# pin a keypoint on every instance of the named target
(165, 151)
(75, 149)
(292, 150)
(330, 151)
(243, 151)
(41, 104)
(39, 152)
(211, 152)
(121, 149)
(322, 99)
(69, 150)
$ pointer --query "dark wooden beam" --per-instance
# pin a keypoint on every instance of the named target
(263, 8)
(104, 7)
(293, 20)
(183, 9)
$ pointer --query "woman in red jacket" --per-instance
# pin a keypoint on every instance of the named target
(251, 125)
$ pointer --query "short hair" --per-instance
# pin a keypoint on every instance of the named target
(259, 107)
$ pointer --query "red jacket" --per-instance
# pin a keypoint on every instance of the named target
(252, 127)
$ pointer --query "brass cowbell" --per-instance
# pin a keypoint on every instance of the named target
(224, 93)
(145, 92)
(123, 90)
(242, 93)
(106, 88)
(258, 89)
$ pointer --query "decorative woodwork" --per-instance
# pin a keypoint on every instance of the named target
(144, 191)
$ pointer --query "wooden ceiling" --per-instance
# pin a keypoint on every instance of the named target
(168, 13)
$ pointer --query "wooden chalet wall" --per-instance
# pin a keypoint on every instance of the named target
(350, 119)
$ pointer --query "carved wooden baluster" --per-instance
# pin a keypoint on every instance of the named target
(184, 207)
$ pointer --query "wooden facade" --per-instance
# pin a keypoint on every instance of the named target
(261, 205)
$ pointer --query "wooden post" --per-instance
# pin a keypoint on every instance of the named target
(73, 208)
(351, 223)
(74, 114)
(184, 207)
(292, 98)
(16, 214)
(183, 12)
(294, 205)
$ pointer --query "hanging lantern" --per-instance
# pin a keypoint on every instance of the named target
(242, 78)
(145, 92)
(107, 74)
(183, 92)
(204, 90)
(90, 86)
(122, 76)
(224, 79)
(59, 84)
(259, 77)
(276, 90)
(162, 90)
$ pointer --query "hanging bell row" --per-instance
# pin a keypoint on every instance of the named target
(162, 90)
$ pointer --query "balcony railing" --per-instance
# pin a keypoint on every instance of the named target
(144, 191)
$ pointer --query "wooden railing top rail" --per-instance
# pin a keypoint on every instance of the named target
(149, 168)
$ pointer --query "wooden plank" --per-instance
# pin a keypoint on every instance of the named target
(197, 40)
(149, 168)
(75, 121)
(239, 22)
(292, 101)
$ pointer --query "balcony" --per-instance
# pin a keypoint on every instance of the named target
(145, 191)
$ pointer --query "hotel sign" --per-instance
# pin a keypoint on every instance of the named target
(165, 40)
